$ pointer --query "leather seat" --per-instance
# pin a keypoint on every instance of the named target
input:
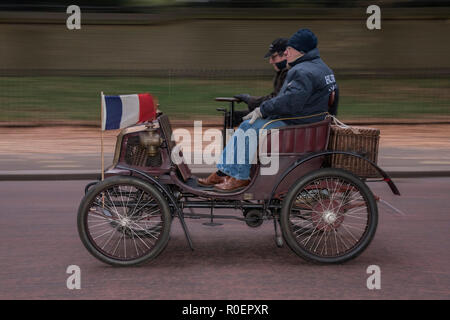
(301, 139)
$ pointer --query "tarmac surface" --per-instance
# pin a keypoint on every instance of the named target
(232, 261)
(40, 240)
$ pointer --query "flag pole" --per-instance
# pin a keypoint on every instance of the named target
(101, 130)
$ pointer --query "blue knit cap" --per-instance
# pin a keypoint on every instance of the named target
(303, 40)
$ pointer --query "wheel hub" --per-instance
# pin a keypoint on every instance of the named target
(325, 215)
(124, 222)
(329, 217)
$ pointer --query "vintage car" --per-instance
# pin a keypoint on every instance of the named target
(319, 199)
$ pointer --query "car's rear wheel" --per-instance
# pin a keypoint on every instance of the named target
(329, 216)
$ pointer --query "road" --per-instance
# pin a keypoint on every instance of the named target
(39, 240)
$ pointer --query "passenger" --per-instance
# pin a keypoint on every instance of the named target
(304, 98)
(278, 60)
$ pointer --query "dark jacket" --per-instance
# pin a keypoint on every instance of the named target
(255, 102)
(278, 81)
(305, 91)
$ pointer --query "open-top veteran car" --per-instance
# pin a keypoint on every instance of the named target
(319, 199)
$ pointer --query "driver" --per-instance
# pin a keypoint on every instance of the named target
(278, 60)
(302, 99)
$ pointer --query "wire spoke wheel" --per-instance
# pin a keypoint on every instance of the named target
(124, 221)
(329, 216)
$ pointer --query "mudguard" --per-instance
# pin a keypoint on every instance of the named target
(300, 161)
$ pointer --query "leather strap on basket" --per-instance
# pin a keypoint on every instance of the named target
(342, 125)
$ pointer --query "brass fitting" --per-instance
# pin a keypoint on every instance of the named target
(152, 141)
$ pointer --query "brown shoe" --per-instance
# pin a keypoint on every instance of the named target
(231, 184)
(213, 179)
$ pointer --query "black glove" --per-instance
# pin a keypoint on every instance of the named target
(243, 97)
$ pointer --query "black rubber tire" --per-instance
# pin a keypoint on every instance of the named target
(366, 194)
(124, 180)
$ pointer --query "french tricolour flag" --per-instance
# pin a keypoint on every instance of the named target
(126, 110)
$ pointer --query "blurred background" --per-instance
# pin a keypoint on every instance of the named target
(186, 53)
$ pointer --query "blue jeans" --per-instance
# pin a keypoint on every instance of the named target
(236, 163)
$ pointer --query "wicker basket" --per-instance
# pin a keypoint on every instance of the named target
(361, 140)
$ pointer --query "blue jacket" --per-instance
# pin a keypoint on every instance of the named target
(305, 91)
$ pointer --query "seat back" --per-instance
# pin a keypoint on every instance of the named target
(293, 142)
(166, 129)
(301, 139)
(333, 102)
